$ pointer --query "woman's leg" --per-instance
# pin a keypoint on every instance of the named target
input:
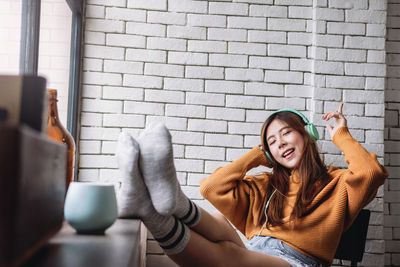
(202, 252)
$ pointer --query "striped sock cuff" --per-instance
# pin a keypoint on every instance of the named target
(193, 216)
(176, 240)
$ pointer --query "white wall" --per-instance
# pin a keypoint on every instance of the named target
(214, 71)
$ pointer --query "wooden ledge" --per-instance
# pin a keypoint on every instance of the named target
(124, 244)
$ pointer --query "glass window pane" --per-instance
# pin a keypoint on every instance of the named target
(10, 35)
(54, 50)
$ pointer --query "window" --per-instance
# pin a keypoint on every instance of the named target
(50, 46)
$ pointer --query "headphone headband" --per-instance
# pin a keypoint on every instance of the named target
(295, 112)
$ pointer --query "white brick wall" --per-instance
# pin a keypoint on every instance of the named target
(214, 70)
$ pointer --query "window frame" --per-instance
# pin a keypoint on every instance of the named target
(29, 52)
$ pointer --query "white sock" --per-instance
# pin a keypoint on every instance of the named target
(134, 200)
(157, 166)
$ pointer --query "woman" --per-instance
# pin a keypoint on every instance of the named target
(293, 216)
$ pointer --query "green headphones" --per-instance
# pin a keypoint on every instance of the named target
(310, 128)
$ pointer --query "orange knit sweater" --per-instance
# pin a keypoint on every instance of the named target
(239, 197)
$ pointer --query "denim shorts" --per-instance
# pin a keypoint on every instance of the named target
(272, 246)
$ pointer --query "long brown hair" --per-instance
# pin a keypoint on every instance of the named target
(311, 170)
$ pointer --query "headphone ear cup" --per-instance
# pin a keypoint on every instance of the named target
(270, 159)
(312, 131)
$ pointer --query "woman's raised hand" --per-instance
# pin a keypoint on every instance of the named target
(340, 120)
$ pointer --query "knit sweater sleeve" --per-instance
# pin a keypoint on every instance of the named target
(364, 174)
(230, 190)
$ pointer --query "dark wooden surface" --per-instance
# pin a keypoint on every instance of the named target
(122, 245)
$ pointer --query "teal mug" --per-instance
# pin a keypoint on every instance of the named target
(90, 208)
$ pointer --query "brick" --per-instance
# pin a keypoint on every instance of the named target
(268, 11)
(121, 3)
(96, 51)
(102, 78)
(392, 246)
(186, 32)
(98, 133)
(290, 25)
(92, 64)
(187, 138)
(237, 74)
(378, 30)
(363, 96)
(375, 246)
(183, 84)
(300, 12)
(376, 56)
(251, 141)
(216, 86)
(392, 47)
(300, 64)
(276, 63)
(146, 55)
(187, 6)
(247, 23)
(328, 67)
(375, 110)
(234, 153)
(348, 55)
(192, 191)
(393, 71)
(166, 44)
(299, 38)
(97, 161)
(366, 16)
(346, 28)
(207, 46)
(391, 118)
(228, 8)
(211, 166)
(204, 72)
(293, 2)
(172, 123)
(284, 76)
(223, 140)
(365, 69)
(123, 120)
(125, 14)
(125, 40)
(286, 50)
(329, 14)
(122, 93)
(189, 165)
(166, 18)
(330, 41)
(345, 82)
(148, 4)
(206, 99)
(195, 178)
(109, 147)
(91, 119)
(165, 70)
(244, 128)
(224, 60)
(136, 107)
(95, 11)
(164, 96)
(104, 25)
(364, 42)
(206, 20)
(179, 151)
(227, 114)
(298, 91)
(91, 91)
(252, 102)
(227, 34)
(393, 34)
(213, 126)
(267, 37)
(278, 103)
(345, 4)
(264, 89)
(146, 29)
(392, 147)
(193, 111)
(95, 38)
(392, 59)
(203, 152)
(365, 123)
(119, 66)
(88, 175)
(395, 134)
(142, 81)
(247, 48)
(187, 58)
